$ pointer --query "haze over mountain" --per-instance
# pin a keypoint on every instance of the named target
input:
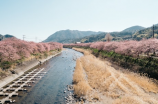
(66, 36)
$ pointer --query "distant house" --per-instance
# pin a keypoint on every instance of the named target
(77, 42)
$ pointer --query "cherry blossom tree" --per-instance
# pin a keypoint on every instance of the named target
(108, 37)
(129, 48)
(12, 49)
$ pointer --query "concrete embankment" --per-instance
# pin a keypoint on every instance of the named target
(21, 70)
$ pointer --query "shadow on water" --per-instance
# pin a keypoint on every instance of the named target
(49, 90)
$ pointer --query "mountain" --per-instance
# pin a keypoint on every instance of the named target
(146, 33)
(133, 29)
(91, 38)
(5, 36)
(67, 36)
(127, 34)
(117, 36)
(71, 36)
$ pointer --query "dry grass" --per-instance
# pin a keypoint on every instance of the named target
(128, 100)
(3, 73)
(147, 84)
(123, 88)
(81, 86)
(78, 73)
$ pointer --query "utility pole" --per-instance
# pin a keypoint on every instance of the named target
(153, 31)
(23, 37)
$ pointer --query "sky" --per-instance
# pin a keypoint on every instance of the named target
(38, 19)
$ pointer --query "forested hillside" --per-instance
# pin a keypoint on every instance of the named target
(67, 36)
(133, 29)
(117, 36)
(146, 33)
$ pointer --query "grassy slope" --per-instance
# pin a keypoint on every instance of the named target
(8, 67)
(147, 65)
(98, 82)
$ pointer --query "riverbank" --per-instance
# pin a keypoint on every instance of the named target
(53, 87)
(96, 81)
(22, 69)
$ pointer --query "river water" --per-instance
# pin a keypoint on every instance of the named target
(50, 89)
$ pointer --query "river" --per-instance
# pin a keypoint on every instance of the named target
(50, 89)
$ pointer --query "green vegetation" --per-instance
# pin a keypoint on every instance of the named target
(135, 32)
(72, 36)
(133, 29)
(8, 64)
(68, 36)
(142, 64)
(146, 33)
(117, 36)
(147, 65)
